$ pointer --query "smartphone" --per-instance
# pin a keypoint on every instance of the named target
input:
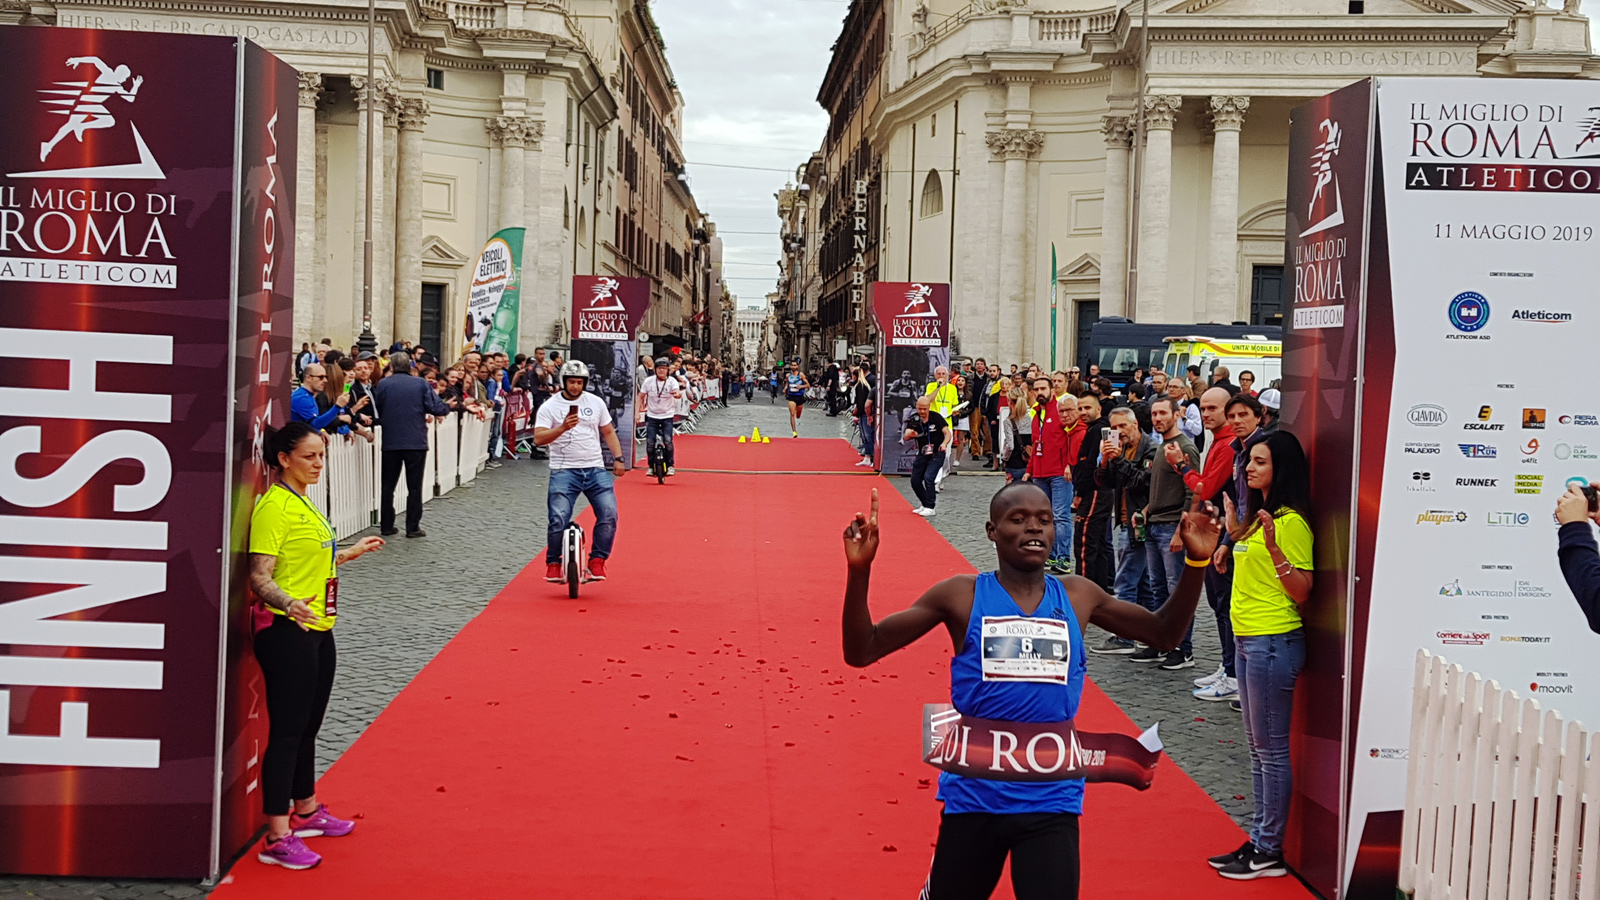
(572, 410)
(1114, 436)
(1593, 493)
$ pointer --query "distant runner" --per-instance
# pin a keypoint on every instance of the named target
(795, 392)
(1034, 822)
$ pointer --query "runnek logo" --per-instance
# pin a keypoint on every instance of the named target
(1469, 311)
(1478, 451)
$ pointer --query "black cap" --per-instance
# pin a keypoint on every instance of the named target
(365, 355)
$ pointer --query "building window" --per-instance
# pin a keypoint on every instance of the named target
(436, 79)
(935, 128)
(430, 332)
(1266, 295)
(932, 195)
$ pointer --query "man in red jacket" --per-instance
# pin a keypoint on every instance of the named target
(1213, 480)
(1057, 438)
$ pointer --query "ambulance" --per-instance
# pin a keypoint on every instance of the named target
(1256, 353)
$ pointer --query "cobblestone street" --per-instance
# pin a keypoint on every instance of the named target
(406, 603)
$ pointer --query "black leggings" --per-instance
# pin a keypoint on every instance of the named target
(972, 851)
(298, 667)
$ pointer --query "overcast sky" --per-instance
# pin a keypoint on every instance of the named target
(749, 71)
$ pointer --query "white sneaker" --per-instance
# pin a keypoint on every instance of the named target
(1211, 679)
(1224, 688)
(928, 513)
(672, 470)
(917, 511)
(864, 462)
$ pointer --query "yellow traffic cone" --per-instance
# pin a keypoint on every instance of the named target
(755, 434)
(766, 440)
(741, 439)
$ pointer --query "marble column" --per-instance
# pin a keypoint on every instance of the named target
(363, 135)
(1222, 269)
(511, 134)
(1155, 207)
(384, 262)
(408, 230)
(1118, 131)
(320, 326)
(305, 211)
(1015, 146)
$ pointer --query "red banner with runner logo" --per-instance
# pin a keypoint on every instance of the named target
(1035, 751)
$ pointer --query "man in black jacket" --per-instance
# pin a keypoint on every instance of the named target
(1580, 559)
(1125, 470)
(1092, 540)
(404, 402)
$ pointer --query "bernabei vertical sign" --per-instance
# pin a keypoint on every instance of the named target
(913, 322)
(606, 314)
(494, 305)
(147, 216)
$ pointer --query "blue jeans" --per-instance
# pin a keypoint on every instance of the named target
(652, 427)
(1165, 569)
(565, 486)
(1133, 582)
(1268, 666)
(1060, 490)
(924, 473)
(869, 437)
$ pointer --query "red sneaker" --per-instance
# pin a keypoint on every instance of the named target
(597, 569)
(552, 573)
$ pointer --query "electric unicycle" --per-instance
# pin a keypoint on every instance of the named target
(658, 459)
(572, 558)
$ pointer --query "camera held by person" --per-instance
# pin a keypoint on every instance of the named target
(1580, 557)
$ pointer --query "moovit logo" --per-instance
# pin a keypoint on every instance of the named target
(1548, 688)
(1427, 415)
(1469, 311)
(1441, 517)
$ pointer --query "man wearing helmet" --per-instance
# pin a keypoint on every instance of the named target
(571, 424)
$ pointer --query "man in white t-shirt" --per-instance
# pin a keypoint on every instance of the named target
(658, 405)
(571, 425)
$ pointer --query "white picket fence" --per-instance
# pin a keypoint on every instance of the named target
(1502, 800)
(352, 481)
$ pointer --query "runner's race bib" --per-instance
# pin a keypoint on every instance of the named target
(330, 607)
(1019, 648)
(1035, 751)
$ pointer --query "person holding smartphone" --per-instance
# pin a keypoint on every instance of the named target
(1580, 558)
(572, 424)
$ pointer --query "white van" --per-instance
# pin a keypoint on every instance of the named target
(1255, 354)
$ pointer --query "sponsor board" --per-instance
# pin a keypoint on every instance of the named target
(1441, 517)
(1467, 638)
(1421, 448)
(1528, 484)
(1421, 483)
(1468, 313)
(1427, 415)
(1505, 519)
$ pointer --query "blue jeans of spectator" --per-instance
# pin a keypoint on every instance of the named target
(1060, 490)
(1219, 591)
(1165, 569)
(1268, 666)
(869, 437)
(1133, 582)
(924, 470)
(663, 427)
(1016, 474)
(565, 486)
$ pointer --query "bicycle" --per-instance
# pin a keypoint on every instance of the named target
(572, 568)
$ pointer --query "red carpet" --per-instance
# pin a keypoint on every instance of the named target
(785, 454)
(687, 730)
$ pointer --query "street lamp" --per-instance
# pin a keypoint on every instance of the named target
(368, 342)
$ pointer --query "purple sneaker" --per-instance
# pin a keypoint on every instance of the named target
(320, 824)
(289, 852)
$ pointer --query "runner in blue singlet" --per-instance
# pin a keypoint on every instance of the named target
(795, 391)
(984, 821)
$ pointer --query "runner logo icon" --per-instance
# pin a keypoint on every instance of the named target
(85, 104)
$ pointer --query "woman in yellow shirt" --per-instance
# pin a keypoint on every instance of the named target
(294, 560)
(1272, 568)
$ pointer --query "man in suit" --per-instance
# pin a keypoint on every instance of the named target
(404, 402)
